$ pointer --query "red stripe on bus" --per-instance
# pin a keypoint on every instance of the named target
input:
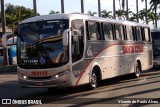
(91, 61)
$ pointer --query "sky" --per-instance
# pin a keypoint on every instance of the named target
(70, 6)
(44, 6)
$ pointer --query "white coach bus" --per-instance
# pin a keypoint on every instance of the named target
(63, 50)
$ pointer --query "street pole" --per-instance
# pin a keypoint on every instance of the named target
(137, 11)
(62, 6)
(82, 6)
(3, 17)
(5, 50)
(155, 15)
(114, 10)
(35, 7)
(146, 12)
(127, 8)
(99, 8)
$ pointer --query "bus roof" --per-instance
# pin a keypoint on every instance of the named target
(80, 16)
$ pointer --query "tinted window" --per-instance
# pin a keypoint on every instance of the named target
(119, 32)
(77, 40)
(107, 29)
(142, 34)
(1, 51)
(78, 25)
(93, 31)
(155, 36)
(134, 31)
(129, 33)
(40, 44)
(147, 34)
(138, 33)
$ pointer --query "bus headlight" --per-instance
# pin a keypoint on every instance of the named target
(22, 76)
(60, 74)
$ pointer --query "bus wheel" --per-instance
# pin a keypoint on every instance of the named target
(137, 70)
(94, 80)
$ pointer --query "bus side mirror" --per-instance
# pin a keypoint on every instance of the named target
(66, 36)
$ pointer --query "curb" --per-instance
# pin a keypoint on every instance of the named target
(8, 69)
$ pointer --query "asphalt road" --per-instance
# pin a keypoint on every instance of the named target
(143, 91)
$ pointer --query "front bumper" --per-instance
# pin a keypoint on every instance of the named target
(63, 81)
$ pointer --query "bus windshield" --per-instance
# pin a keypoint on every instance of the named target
(39, 44)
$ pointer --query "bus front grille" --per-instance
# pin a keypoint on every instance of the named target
(40, 78)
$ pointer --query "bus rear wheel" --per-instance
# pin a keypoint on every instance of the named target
(137, 70)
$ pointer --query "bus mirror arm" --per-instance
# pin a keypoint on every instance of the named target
(5, 38)
(66, 36)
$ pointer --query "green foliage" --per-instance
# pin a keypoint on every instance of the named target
(53, 12)
(91, 13)
(15, 14)
(106, 14)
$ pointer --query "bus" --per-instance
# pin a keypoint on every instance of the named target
(10, 44)
(155, 34)
(1, 55)
(67, 50)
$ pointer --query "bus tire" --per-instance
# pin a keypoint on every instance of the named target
(137, 70)
(94, 79)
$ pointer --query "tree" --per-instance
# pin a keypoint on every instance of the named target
(106, 13)
(151, 17)
(53, 12)
(146, 11)
(128, 13)
(91, 13)
(15, 14)
(133, 18)
(154, 5)
(142, 14)
(120, 14)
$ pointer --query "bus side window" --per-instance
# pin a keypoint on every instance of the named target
(94, 30)
(129, 33)
(98, 31)
(87, 31)
(1, 51)
(107, 31)
(138, 34)
(147, 34)
(118, 32)
(124, 33)
(77, 40)
(134, 32)
(143, 35)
